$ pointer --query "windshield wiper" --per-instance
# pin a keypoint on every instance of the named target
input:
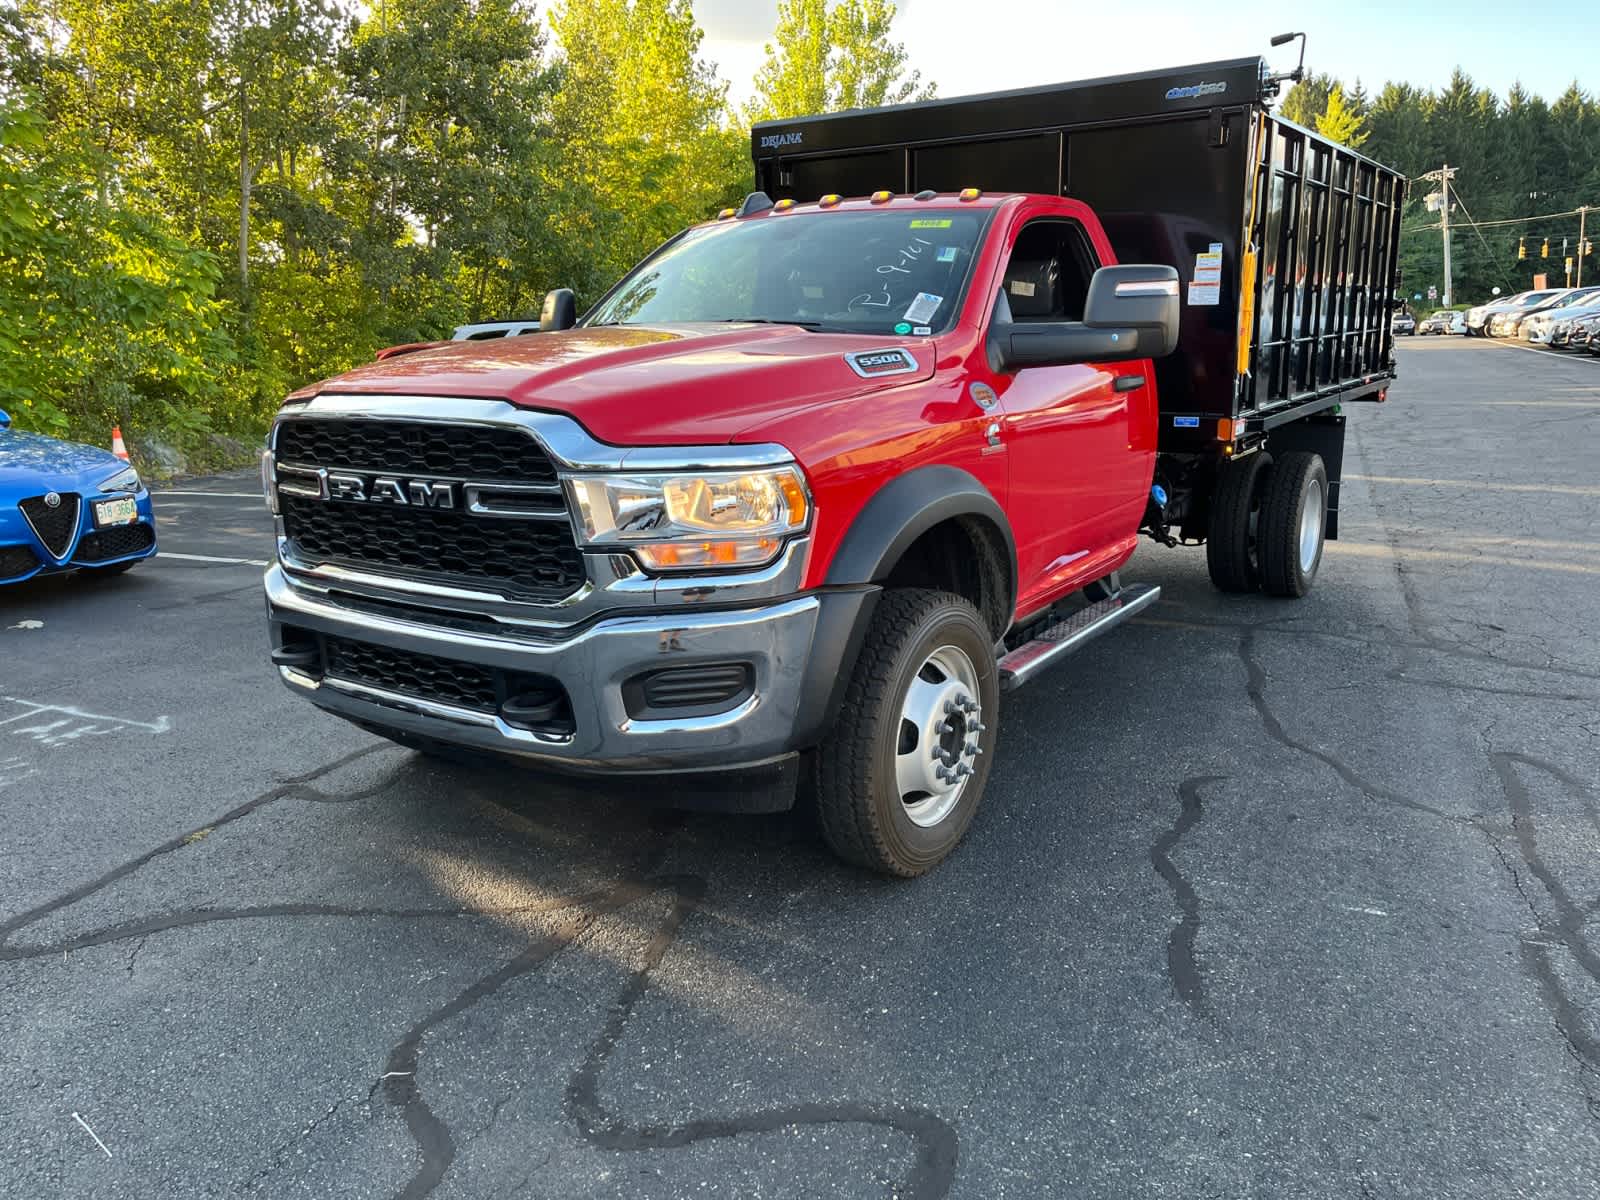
(763, 321)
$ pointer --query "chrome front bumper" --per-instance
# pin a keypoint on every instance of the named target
(591, 664)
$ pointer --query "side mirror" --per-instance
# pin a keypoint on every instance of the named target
(1131, 312)
(5, 419)
(560, 311)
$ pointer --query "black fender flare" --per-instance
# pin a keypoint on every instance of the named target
(901, 512)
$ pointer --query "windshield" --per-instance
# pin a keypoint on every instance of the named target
(893, 271)
(1577, 298)
(1530, 299)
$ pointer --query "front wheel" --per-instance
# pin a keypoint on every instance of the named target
(1293, 521)
(898, 780)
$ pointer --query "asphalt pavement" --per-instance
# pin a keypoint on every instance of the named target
(1267, 898)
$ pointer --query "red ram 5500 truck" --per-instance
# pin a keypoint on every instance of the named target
(818, 480)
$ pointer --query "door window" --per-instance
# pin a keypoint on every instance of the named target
(1047, 276)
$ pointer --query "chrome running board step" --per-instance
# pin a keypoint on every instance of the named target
(1072, 633)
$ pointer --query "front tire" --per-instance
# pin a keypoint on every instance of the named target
(1231, 542)
(899, 778)
(1293, 523)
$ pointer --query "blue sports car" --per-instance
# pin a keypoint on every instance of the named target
(64, 506)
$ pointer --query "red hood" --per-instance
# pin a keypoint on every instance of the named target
(665, 384)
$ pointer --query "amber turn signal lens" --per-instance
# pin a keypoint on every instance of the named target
(830, 200)
(783, 206)
(882, 197)
(970, 193)
(662, 555)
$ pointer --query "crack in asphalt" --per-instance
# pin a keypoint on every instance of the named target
(39, 911)
(1255, 687)
(937, 1145)
(1566, 931)
(929, 1177)
(1181, 966)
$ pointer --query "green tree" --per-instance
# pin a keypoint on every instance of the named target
(1307, 100)
(1339, 122)
(647, 144)
(103, 307)
(826, 60)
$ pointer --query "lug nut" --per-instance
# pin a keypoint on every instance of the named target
(963, 771)
(974, 749)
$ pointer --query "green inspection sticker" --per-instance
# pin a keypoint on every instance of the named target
(932, 223)
(903, 327)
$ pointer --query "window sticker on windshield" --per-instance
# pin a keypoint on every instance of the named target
(932, 223)
(1021, 287)
(948, 253)
(923, 308)
(810, 292)
(923, 330)
(903, 327)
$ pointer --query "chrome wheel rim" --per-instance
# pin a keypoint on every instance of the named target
(937, 749)
(1311, 526)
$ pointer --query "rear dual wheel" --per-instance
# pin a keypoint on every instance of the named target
(1268, 520)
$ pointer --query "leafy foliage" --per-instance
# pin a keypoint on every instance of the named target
(824, 59)
(206, 203)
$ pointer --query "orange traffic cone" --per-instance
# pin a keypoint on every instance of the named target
(117, 446)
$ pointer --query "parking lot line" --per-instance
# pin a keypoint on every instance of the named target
(224, 495)
(211, 558)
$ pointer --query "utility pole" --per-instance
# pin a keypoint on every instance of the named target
(1444, 175)
(1583, 213)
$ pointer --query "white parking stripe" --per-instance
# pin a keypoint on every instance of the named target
(225, 495)
(208, 558)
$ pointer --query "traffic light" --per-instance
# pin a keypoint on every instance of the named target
(1544, 250)
(1587, 248)
(1522, 249)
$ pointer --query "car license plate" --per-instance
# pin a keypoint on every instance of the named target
(115, 512)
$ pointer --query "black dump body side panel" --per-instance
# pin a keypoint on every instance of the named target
(1180, 165)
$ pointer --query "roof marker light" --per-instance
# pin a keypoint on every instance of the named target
(969, 194)
(925, 194)
(882, 197)
(725, 214)
(829, 200)
(783, 205)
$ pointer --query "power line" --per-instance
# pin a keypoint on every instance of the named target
(1504, 278)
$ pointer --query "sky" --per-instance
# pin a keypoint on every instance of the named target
(989, 45)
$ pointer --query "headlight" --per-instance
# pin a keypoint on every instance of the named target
(268, 478)
(125, 480)
(722, 519)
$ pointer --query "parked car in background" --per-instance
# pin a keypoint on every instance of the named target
(1554, 328)
(483, 331)
(1478, 318)
(1510, 324)
(480, 331)
(1585, 330)
(1403, 325)
(1437, 323)
(66, 506)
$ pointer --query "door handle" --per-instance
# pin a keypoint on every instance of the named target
(1127, 383)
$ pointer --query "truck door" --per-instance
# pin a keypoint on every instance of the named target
(1079, 470)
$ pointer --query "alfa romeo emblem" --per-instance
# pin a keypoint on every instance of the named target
(52, 499)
